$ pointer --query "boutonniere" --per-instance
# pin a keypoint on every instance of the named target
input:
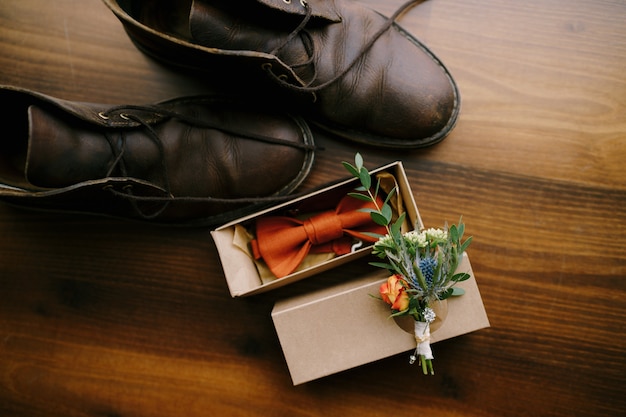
(422, 263)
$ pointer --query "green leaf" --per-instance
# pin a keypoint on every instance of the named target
(389, 267)
(391, 194)
(447, 293)
(367, 210)
(351, 169)
(358, 161)
(466, 244)
(457, 292)
(379, 218)
(377, 189)
(360, 196)
(462, 276)
(454, 233)
(461, 228)
(397, 225)
(413, 311)
(387, 212)
(420, 277)
(374, 235)
(365, 178)
(399, 313)
(381, 265)
(437, 273)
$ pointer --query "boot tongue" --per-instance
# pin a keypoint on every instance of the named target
(319, 8)
(60, 155)
(203, 15)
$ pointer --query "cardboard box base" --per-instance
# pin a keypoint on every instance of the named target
(341, 327)
(241, 273)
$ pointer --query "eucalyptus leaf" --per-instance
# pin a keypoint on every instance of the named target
(461, 276)
(360, 196)
(391, 194)
(447, 293)
(379, 219)
(351, 169)
(358, 161)
(365, 178)
(387, 212)
(457, 292)
(367, 210)
(376, 189)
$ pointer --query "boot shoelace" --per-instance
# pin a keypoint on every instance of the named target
(307, 41)
(117, 143)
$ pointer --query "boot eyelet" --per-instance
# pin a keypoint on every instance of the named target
(287, 1)
(266, 66)
(103, 116)
(303, 3)
(124, 116)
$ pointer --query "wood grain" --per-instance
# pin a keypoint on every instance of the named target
(110, 318)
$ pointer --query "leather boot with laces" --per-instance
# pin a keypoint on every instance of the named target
(350, 70)
(191, 160)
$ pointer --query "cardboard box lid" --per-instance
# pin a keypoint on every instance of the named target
(341, 327)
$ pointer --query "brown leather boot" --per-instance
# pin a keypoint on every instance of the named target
(191, 160)
(351, 70)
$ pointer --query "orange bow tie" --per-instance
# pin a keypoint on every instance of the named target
(284, 242)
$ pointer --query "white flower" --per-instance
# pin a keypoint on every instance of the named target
(416, 238)
(429, 315)
(436, 234)
(385, 240)
(423, 238)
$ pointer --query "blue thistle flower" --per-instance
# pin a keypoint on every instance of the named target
(427, 266)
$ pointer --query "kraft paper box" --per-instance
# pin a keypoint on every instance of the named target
(242, 273)
(341, 327)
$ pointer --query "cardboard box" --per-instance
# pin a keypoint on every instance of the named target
(341, 327)
(241, 272)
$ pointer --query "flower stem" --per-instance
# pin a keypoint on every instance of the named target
(427, 365)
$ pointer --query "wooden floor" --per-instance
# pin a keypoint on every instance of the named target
(110, 318)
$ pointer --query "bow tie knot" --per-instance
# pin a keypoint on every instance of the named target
(323, 228)
(283, 242)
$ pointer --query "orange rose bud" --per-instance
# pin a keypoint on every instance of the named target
(402, 301)
(393, 293)
(384, 292)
